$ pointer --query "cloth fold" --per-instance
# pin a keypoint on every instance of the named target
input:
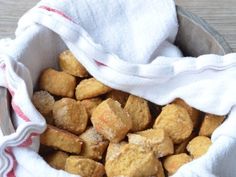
(127, 45)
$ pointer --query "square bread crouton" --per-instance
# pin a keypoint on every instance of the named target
(60, 139)
(110, 120)
(43, 102)
(209, 124)
(193, 113)
(89, 88)
(57, 82)
(84, 167)
(176, 122)
(94, 144)
(91, 104)
(57, 159)
(173, 162)
(139, 112)
(114, 150)
(71, 65)
(155, 140)
(132, 161)
(198, 146)
(70, 115)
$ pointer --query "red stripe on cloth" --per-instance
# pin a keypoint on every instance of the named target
(28, 141)
(56, 11)
(99, 63)
(12, 172)
(3, 66)
(68, 18)
(11, 91)
(14, 106)
(19, 112)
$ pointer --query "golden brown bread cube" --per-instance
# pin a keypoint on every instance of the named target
(133, 161)
(209, 124)
(57, 83)
(160, 172)
(155, 140)
(114, 150)
(173, 162)
(94, 144)
(193, 113)
(84, 167)
(60, 139)
(57, 159)
(175, 120)
(110, 120)
(198, 146)
(91, 104)
(71, 65)
(119, 96)
(139, 112)
(89, 88)
(43, 101)
(70, 115)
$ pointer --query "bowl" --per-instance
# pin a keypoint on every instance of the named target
(196, 37)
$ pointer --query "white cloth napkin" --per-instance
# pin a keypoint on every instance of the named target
(125, 44)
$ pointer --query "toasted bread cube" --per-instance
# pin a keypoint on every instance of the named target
(198, 146)
(110, 120)
(119, 96)
(43, 102)
(133, 161)
(155, 140)
(209, 124)
(84, 167)
(89, 88)
(173, 162)
(60, 139)
(160, 172)
(114, 150)
(175, 120)
(193, 113)
(71, 65)
(57, 159)
(91, 104)
(70, 115)
(139, 112)
(94, 144)
(181, 148)
(57, 83)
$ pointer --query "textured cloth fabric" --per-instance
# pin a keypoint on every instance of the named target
(128, 46)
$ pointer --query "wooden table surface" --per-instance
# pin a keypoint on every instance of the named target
(221, 14)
